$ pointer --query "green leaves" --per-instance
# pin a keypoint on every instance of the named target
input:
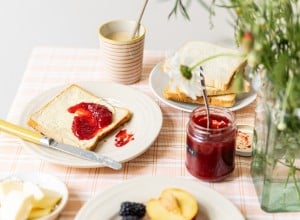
(186, 72)
(279, 72)
(294, 100)
(238, 81)
(179, 6)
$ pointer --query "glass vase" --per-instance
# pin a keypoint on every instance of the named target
(275, 167)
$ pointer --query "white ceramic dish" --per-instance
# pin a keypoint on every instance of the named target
(158, 80)
(212, 205)
(49, 182)
(145, 124)
(246, 130)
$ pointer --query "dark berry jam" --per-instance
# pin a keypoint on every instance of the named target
(211, 151)
(89, 119)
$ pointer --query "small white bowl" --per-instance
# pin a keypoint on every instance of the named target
(248, 131)
(49, 182)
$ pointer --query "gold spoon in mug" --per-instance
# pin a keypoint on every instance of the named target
(137, 26)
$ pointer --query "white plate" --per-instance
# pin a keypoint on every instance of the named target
(158, 80)
(145, 124)
(212, 205)
(46, 181)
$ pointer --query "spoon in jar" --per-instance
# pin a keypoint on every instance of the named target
(204, 94)
(137, 26)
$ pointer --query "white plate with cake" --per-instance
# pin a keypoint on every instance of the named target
(225, 78)
(57, 111)
(210, 205)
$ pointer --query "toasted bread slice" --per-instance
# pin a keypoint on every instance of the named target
(220, 67)
(211, 91)
(217, 97)
(227, 100)
(55, 121)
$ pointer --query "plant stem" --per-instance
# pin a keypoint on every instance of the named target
(288, 165)
(213, 57)
(292, 173)
(296, 185)
(282, 124)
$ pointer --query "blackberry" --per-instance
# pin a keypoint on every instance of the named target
(130, 217)
(132, 209)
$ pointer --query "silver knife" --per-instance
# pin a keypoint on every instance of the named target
(38, 138)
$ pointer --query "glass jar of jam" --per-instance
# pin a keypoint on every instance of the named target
(210, 153)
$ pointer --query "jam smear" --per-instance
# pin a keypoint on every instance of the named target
(89, 119)
(243, 140)
(122, 138)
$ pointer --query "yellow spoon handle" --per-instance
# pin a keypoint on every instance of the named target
(20, 132)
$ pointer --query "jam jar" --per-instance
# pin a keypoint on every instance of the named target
(210, 152)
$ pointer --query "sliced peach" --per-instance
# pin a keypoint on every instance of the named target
(173, 204)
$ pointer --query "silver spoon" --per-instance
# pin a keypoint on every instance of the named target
(204, 94)
(137, 26)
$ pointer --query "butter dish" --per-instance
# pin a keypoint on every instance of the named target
(36, 195)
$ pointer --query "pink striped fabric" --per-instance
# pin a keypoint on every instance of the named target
(49, 67)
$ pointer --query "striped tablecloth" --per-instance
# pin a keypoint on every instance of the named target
(49, 67)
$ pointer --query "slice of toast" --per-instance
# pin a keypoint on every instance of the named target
(211, 91)
(217, 97)
(218, 71)
(55, 121)
(221, 69)
(226, 100)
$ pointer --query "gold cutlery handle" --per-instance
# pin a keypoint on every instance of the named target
(20, 132)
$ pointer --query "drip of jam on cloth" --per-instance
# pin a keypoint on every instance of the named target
(89, 119)
(122, 138)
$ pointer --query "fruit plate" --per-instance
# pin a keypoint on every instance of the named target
(158, 80)
(46, 181)
(145, 124)
(212, 205)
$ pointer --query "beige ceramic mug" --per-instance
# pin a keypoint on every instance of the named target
(122, 54)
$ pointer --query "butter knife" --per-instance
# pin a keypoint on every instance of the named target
(37, 138)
